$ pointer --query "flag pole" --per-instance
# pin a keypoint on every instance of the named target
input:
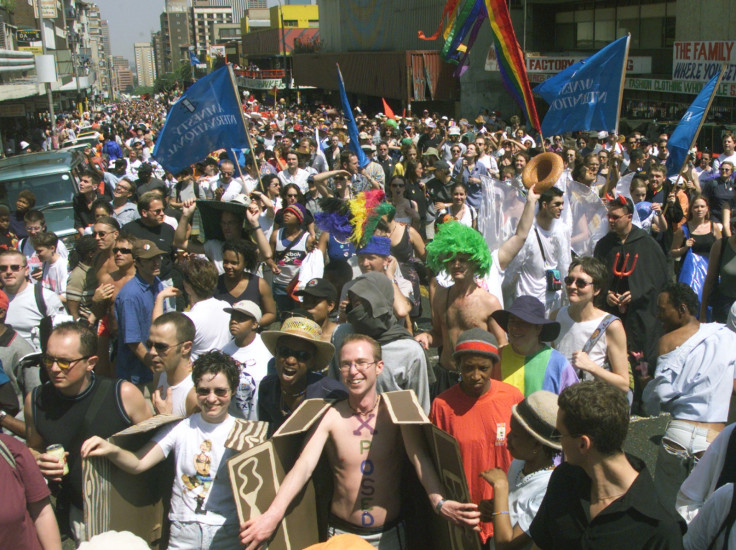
(623, 80)
(697, 132)
(247, 131)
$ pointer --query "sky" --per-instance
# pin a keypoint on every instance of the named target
(130, 21)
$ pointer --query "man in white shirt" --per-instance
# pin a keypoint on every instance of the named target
(54, 270)
(170, 345)
(251, 355)
(294, 174)
(24, 314)
(729, 153)
(227, 184)
(35, 224)
(241, 185)
(133, 164)
(484, 158)
(542, 263)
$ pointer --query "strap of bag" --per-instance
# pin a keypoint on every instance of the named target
(541, 248)
(280, 255)
(7, 455)
(598, 332)
(40, 302)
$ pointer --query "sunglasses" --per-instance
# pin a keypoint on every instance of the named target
(300, 355)
(161, 347)
(14, 268)
(219, 392)
(157, 211)
(101, 234)
(569, 281)
(64, 364)
(117, 250)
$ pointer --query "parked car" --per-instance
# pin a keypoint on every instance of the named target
(53, 177)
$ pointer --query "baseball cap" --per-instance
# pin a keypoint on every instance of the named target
(441, 165)
(247, 307)
(321, 288)
(145, 250)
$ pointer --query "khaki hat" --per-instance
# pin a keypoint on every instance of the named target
(246, 307)
(304, 329)
(537, 413)
(145, 250)
(431, 152)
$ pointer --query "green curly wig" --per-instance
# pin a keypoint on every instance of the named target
(454, 238)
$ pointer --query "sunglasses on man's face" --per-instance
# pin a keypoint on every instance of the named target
(118, 250)
(300, 355)
(15, 268)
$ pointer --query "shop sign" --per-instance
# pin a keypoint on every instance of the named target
(699, 60)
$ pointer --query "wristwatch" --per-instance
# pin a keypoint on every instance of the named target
(3, 414)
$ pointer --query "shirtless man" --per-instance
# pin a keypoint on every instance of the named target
(361, 441)
(102, 302)
(105, 230)
(462, 306)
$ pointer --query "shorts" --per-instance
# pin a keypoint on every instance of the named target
(444, 380)
(188, 535)
(390, 536)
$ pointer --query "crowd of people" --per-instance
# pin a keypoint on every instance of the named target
(245, 285)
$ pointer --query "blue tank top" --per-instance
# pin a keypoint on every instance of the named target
(337, 251)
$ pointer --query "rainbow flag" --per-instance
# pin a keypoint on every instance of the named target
(511, 62)
(463, 22)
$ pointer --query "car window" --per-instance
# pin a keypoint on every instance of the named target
(48, 189)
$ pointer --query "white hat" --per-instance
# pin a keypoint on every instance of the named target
(115, 540)
(24, 145)
(363, 135)
(454, 131)
(602, 134)
(248, 308)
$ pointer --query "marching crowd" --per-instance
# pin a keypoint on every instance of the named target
(294, 269)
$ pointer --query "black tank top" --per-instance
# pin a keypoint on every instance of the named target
(59, 419)
(703, 243)
(251, 291)
(403, 251)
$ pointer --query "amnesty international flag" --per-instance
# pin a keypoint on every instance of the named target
(206, 118)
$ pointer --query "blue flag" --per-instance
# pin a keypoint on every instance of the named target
(586, 95)
(206, 118)
(352, 127)
(193, 59)
(682, 138)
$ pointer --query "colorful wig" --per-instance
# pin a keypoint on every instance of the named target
(365, 211)
(334, 218)
(454, 238)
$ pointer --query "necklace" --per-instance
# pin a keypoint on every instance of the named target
(366, 413)
(285, 410)
(298, 394)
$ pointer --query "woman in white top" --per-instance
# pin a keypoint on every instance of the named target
(460, 209)
(534, 443)
(606, 358)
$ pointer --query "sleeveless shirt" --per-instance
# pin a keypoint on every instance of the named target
(251, 291)
(573, 336)
(60, 419)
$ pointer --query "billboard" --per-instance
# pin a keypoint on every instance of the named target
(699, 60)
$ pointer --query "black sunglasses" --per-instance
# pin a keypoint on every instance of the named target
(14, 268)
(160, 347)
(219, 392)
(578, 282)
(300, 355)
(118, 250)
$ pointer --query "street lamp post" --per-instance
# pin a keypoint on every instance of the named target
(283, 46)
(47, 85)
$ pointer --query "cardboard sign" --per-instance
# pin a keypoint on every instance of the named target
(116, 500)
(256, 476)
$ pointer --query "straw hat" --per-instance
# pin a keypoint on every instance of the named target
(304, 329)
(538, 415)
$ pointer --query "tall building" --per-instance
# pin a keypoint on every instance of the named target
(144, 63)
(176, 34)
(240, 6)
(105, 35)
(122, 74)
(158, 51)
(205, 16)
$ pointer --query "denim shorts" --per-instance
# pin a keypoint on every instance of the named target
(191, 535)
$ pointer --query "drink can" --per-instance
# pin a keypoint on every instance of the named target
(57, 450)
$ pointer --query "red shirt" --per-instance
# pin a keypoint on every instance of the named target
(480, 425)
(19, 487)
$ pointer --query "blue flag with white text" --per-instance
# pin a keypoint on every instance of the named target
(679, 144)
(193, 60)
(206, 118)
(350, 119)
(585, 96)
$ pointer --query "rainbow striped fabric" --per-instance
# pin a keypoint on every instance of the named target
(464, 19)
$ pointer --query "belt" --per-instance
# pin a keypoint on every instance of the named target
(713, 428)
(339, 523)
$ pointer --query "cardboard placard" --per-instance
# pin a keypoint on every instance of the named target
(116, 500)
(256, 476)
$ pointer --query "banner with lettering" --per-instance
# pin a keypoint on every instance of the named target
(586, 95)
(700, 60)
(206, 118)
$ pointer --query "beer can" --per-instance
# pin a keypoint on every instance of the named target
(57, 450)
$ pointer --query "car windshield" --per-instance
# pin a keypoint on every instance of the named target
(48, 189)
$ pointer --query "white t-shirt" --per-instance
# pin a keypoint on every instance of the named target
(178, 393)
(490, 163)
(54, 276)
(525, 494)
(253, 361)
(201, 483)
(213, 251)
(300, 179)
(32, 258)
(723, 158)
(210, 324)
(24, 316)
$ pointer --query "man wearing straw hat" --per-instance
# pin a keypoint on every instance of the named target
(477, 412)
(299, 351)
(362, 443)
